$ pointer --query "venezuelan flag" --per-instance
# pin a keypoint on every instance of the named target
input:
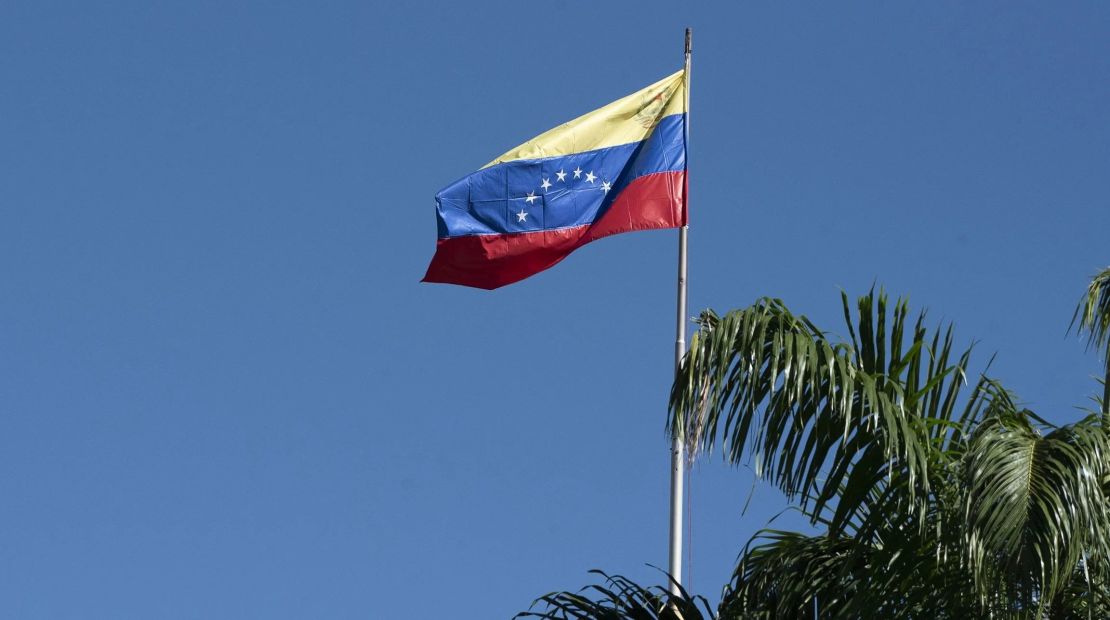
(617, 169)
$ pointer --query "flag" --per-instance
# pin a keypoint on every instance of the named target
(617, 169)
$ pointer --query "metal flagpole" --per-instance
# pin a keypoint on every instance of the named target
(678, 457)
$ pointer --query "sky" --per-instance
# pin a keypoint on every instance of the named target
(225, 394)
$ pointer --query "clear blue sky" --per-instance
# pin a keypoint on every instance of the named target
(224, 393)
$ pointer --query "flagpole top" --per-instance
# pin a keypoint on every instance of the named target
(689, 32)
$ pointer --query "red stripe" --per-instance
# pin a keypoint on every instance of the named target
(491, 261)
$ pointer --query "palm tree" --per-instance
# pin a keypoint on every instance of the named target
(931, 499)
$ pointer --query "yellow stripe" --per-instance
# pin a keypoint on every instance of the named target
(624, 121)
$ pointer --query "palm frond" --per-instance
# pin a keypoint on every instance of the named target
(1092, 316)
(619, 598)
(823, 420)
(1093, 312)
(1035, 502)
(1086, 596)
(791, 575)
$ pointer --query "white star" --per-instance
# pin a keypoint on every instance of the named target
(605, 186)
(546, 184)
(561, 175)
(590, 176)
(530, 197)
(523, 215)
(578, 173)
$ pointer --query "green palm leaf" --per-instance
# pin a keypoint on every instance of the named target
(825, 421)
(618, 598)
(1093, 316)
(1035, 501)
(791, 575)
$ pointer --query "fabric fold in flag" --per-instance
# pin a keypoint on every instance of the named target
(617, 169)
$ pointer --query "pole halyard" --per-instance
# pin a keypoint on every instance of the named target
(678, 445)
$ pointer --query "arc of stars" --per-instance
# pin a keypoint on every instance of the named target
(560, 177)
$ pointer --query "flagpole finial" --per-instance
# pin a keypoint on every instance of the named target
(689, 33)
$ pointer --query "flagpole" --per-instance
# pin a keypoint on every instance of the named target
(678, 457)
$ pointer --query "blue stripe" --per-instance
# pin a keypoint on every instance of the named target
(490, 201)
